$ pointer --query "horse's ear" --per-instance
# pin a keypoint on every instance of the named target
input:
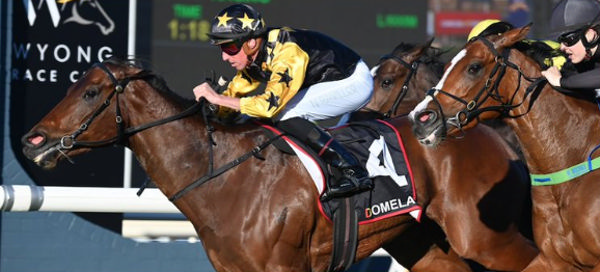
(429, 42)
(512, 36)
(418, 51)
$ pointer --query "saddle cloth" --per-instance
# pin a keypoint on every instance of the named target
(378, 146)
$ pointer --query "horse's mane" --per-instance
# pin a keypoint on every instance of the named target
(431, 57)
(155, 80)
(158, 83)
(538, 51)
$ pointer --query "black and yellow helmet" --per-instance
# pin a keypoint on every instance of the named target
(572, 15)
(489, 27)
(236, 23)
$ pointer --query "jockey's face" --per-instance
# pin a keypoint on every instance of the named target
(237, 54)
(576, 52)
(239, 61)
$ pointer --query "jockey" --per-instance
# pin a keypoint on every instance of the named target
(307, 76)
(497, 27)
(576, 23)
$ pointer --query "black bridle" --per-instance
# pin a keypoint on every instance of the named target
(412, 70)
(490, 90)
(68, 142)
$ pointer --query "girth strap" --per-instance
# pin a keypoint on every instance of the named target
(345, 235)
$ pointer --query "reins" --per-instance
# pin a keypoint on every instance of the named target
(213, 174)
(69, 141)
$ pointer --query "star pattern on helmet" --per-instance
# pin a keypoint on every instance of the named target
(273, 101)
(223, 19)
(246, 21)
(285, 77)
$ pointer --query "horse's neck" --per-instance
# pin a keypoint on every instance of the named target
(173, 154)
(557, 132)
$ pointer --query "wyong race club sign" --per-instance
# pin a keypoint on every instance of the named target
(53, 43)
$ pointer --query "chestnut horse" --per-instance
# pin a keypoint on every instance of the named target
(400, 81)
(263, 215)
(489, 78)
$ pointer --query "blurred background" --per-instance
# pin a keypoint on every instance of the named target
(45, 45)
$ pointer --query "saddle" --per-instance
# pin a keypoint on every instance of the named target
(378, 147)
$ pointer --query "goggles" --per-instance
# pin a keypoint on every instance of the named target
(571, 38)
(232, 48)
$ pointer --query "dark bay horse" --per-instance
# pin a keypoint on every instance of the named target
(263, 215)
(489, 78)
(400, 81)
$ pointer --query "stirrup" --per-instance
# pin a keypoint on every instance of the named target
(347, 189)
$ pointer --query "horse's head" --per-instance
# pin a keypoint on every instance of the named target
(477, 84)
(87, 114)
(88, 12)
(397, 85)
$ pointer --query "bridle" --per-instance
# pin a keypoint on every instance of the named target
(490, 90)
(404, 90)
(69, 142)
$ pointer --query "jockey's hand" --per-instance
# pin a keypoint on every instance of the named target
(553, 76)
(206, 91)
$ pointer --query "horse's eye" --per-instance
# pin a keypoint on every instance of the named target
(386, 83)
(90, 93)
(474, 68)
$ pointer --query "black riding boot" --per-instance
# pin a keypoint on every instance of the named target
(353, 178)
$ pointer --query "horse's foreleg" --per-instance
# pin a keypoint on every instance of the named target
(505, 251)
(417, 249)
(543, 264)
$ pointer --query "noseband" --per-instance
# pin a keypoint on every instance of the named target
(490, 90)
(68, 142)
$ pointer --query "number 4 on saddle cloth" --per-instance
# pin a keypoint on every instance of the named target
(378, 147)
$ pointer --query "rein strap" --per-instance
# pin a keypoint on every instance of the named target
(213, 174)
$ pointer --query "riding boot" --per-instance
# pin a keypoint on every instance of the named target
(352, 179)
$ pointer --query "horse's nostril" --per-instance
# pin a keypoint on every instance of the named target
(35, 139)
(427, 117)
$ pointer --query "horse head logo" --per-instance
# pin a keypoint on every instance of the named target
(90, 12)
(83, 12)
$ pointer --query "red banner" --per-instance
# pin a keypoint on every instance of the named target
(460, 23)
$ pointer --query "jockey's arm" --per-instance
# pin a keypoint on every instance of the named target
(585, 80)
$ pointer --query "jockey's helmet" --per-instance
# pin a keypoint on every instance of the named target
(573, 15)
(236, 23)
(488, 27)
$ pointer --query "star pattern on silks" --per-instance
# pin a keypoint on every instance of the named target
(273, 101)
(285, 77)
(246, 21)
(223, 19)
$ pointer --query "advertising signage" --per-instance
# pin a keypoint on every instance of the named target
(53, 43)
(460, 23)
(182, 52)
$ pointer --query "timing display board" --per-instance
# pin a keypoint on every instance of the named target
(183, 55)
